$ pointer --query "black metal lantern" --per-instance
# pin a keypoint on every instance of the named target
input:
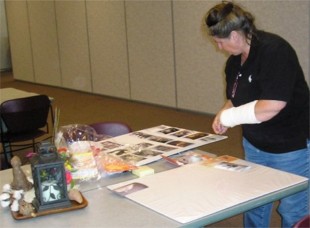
(49, 179)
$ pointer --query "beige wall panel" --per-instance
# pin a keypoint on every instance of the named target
(44, 42)
(289, 19)
(151, 58)
(73, 45)
(108, 48)
(199, 66)
(152, 51)
(5, 58)
(20, 42)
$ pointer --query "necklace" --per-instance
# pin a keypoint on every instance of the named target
(235, 86)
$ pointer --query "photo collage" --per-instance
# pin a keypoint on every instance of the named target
(145, 146)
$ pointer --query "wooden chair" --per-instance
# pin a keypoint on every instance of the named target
(111, 128)
(24, 120)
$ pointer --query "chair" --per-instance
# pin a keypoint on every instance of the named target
(111, 128)
(24, 119)
(303, 223)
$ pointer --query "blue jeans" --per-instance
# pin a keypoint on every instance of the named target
(291, 208)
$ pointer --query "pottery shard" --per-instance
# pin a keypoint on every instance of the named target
(75, 195)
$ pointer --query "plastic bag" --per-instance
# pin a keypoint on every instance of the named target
(80, 147)
(109, 164)
(77, 146)
(77, 132)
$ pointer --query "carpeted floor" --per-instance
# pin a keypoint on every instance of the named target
(84, 108)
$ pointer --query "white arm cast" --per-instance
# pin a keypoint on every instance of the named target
(244, 114)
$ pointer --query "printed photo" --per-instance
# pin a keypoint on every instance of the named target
(119, 152)
(196, 135)
(131, 158)
(169, 130)
(130, 188)
(143, 145)
(141, 135)
(159, 139)
(110, 145)
(164, 148)
(180, 143)
(231, 166)
(147, 153)
(182, 133)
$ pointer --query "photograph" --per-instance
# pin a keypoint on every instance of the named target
(182, 133)
(231, 166)
(164, 148)
(119, 152)
(131, 158)
(147, 153)
(130, 188)
(180, 143)
(141, 135)
(159, 139)
(110, 145)
(169, 130)
(196, 135)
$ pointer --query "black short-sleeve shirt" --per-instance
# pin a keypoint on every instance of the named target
(271, 72)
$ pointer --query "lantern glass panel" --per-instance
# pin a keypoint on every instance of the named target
(52, 184)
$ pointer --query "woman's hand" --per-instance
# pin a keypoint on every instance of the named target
(217, 127)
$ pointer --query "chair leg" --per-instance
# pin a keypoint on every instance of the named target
(33, 146)
(6, 153)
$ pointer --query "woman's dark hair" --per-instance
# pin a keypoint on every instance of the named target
(226, 17)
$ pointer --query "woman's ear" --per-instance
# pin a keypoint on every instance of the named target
(234, 35)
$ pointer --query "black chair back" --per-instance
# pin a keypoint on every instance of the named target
(25, 114)
(24, 120)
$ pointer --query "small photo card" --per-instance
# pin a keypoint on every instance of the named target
(232, 166)
(129, 188)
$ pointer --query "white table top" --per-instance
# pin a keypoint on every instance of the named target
(12, 93)
(107, 209)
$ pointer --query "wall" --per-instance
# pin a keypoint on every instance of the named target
(5, 56)
(154, 51)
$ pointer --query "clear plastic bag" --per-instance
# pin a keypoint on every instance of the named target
(79, 146)
(110, 164)
(77, 132)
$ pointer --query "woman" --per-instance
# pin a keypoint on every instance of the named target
(267, 94)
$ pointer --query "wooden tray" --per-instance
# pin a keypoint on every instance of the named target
(74, 206)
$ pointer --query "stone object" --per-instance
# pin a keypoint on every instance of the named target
(20, 180)
(75, 195)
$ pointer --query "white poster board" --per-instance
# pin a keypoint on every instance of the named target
(193, 191)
